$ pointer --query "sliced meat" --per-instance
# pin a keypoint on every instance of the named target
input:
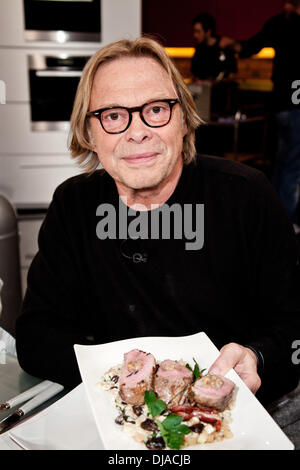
(212, 391)
(172, 381)
(136, 376)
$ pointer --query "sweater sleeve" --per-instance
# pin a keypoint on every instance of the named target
(276, 324)
(264, 38)
(51, 320)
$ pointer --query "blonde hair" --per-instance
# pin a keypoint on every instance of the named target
(80, 144)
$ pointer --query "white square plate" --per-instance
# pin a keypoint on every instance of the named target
(252, 426)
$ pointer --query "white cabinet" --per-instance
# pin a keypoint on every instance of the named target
(17, 137)
(14, 73)
(31, 180)
(12, 23)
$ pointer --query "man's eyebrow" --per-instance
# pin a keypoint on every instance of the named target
(118, 105)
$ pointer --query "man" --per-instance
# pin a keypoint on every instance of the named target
(282, 32)
(210, 62)
(88, 284)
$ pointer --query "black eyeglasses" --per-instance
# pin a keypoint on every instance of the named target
(117, 119)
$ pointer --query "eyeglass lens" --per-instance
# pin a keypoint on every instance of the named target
(155, 114)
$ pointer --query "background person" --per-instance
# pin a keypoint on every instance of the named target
(282, 32)
(210, 61)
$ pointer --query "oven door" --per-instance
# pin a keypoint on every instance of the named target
(53, 85)
(62, 20)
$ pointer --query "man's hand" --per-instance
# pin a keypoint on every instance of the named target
(225, 41)
(229, 42)
(242, 360)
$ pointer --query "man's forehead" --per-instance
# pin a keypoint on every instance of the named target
(131, 68)
(198, 25)
(131, 77)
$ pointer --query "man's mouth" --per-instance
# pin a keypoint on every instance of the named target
(140, 158)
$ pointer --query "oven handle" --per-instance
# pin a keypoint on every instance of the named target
(58, 73)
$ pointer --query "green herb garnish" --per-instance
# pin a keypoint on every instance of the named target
(196, 371)
(155, 405)
(172, 431)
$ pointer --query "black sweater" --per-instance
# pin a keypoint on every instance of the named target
(242, 286)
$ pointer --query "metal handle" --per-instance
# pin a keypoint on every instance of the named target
(58, 73)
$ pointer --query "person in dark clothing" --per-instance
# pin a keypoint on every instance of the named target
(282, 32)
(210, 62)
(235, 276)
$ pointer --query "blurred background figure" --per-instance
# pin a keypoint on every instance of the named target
(289, 7)
(282, 32)
(210, 61)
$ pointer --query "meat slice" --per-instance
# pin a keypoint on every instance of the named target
(212, 391)
(171, 382)
(136, 376)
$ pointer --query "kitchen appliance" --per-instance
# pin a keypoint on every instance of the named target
(53, 84)
(62, 20)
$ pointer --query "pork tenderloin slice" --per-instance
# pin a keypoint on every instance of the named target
(171, 382)
(136, 376)
(212, 391)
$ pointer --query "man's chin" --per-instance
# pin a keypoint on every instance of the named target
(142, 182)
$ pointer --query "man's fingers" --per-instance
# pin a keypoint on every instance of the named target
(229, 357)
(243, 360)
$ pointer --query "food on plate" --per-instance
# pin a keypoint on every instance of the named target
(136, 376)
(167, 404)
(212, 391)
(171, 382)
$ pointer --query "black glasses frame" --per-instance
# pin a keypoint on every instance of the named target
(98, 113)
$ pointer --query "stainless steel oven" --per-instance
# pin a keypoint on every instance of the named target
(62, 20)
(53, 84)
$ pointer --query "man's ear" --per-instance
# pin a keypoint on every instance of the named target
(184, 126)
(91, 138)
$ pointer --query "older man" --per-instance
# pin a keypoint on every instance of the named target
(92, 283)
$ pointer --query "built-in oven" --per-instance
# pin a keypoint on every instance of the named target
(62, 20)
(53, 84)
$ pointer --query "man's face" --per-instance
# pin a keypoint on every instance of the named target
(288, 8)
(199, 34)
(142, 157)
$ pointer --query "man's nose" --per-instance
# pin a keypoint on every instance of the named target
(138, 131)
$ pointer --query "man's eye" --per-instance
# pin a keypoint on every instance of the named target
(156, 109)
(113, 116)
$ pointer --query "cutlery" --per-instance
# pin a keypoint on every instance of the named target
(38, 399)
(22, 397)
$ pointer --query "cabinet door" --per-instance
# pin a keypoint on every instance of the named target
(11, 23)
(31, 181)
(14, 73)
